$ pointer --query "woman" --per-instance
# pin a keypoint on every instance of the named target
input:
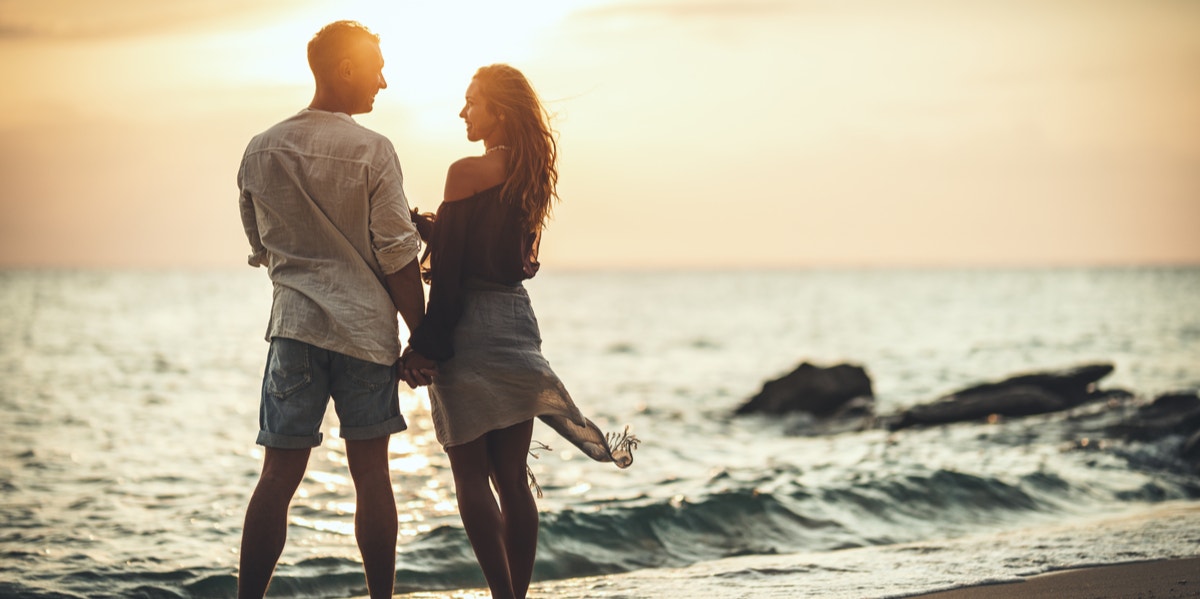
(492, 379)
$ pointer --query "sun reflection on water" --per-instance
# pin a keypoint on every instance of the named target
(409, 464)
(324, 507)
(421, 480)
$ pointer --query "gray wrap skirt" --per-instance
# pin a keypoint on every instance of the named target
(498, 378)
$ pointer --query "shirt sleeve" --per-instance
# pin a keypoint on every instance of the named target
(258, 253)
(434, 338)
(394, 237)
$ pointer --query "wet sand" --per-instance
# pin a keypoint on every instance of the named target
(1143, 580)
(1158, 579)
(1150, 553)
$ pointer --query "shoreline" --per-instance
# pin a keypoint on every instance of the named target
(1172, 578)
(1145, 553)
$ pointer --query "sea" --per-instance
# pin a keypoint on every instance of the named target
(129, 403)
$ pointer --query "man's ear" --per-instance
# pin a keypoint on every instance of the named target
(345, 69)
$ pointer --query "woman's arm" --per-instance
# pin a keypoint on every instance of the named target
(434, 338)
(447, 253)
(424, 222)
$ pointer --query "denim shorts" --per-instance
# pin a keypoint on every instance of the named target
(298, 382)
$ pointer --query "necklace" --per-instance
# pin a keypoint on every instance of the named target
(493, 149)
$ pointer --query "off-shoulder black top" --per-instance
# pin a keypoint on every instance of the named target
(480, 237)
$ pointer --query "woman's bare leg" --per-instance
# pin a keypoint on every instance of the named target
(480, 515)
(509, 451)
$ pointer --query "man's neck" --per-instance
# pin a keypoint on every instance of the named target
(327, 103)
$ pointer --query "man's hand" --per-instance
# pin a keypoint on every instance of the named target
(415, 369)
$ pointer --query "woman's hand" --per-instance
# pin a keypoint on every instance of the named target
(424, 223)
(415, 369)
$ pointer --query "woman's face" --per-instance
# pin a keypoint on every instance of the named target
(481, 123)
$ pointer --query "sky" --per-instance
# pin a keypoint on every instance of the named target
(692, 133)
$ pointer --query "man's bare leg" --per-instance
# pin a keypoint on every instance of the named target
(265, 528)
(375, 516)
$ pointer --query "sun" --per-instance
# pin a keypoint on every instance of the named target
(431, 48)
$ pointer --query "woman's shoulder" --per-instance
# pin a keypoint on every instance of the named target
(471, 176)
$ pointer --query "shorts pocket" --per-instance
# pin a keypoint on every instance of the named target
(369, 374)
(289, 368)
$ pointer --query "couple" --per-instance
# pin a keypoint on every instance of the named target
(323, 206)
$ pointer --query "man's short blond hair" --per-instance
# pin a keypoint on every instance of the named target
(334, 42)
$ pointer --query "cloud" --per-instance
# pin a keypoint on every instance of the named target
(720, 9)
(67, 19)
(10, 31)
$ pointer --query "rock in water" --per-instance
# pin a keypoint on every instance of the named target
(1169, 414)
(815, 390)
(1021, 395)
(1191, 450)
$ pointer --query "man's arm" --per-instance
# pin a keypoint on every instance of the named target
(258, 254)
(408, 294)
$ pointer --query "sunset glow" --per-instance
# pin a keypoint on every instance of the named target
(860, 133)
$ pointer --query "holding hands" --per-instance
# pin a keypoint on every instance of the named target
(414, 369)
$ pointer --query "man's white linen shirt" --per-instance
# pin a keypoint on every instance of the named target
(323, 206)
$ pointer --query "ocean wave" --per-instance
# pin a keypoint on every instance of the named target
(98, 504)
(870, 508)
(874, 509)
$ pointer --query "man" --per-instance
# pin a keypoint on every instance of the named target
(323, 205)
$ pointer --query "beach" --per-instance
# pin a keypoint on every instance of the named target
(1159, 579)
(1150, 552)
(1143, 580)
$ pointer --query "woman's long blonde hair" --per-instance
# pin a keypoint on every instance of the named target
(533, 151)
